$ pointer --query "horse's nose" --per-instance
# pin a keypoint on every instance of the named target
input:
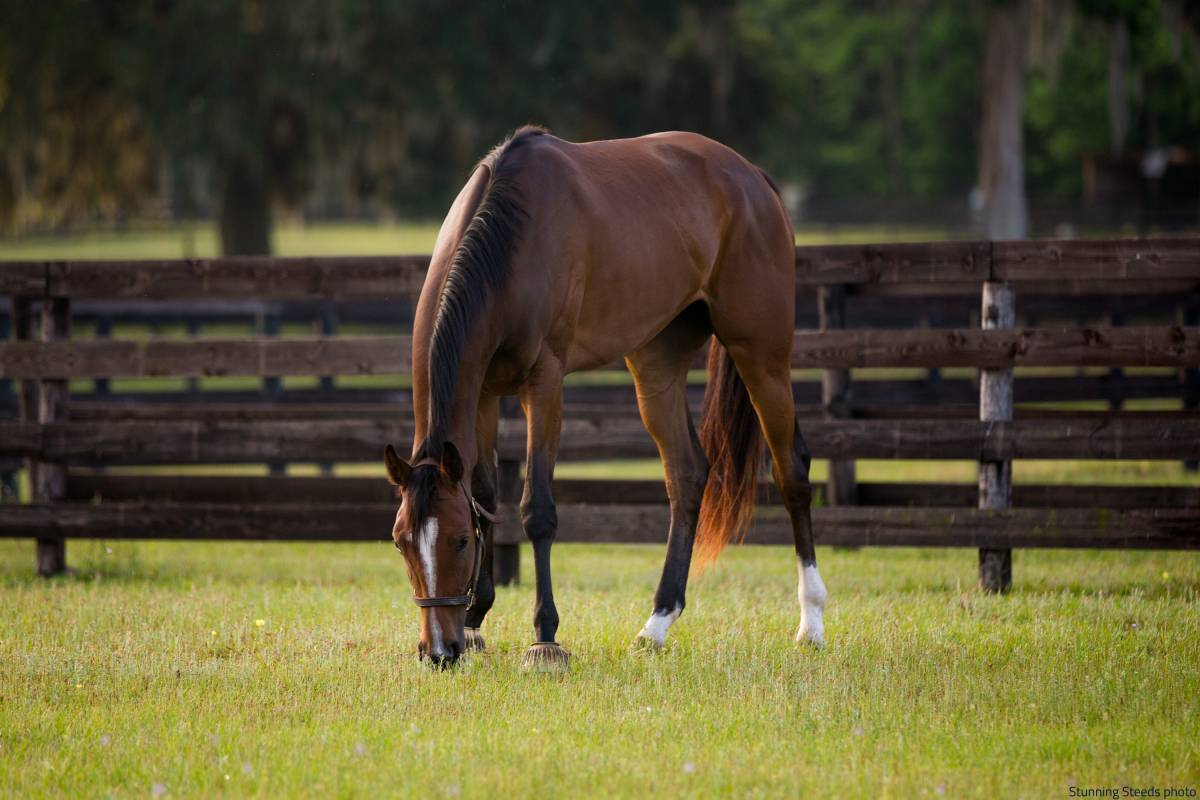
(443, 660)
(446, 656)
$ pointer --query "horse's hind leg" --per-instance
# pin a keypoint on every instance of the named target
(753, 315)
(660, 372)
(766, 374)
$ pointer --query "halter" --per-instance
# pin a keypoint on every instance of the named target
(467, 599)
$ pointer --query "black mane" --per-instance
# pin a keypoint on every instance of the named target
(479, 267)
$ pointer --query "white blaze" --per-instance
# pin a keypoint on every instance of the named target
(812, 606)
(427, 546)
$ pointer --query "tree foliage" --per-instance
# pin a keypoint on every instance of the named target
(241, 107)
(74, 143)
(874, 98)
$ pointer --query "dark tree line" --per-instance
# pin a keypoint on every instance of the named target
(241, 108)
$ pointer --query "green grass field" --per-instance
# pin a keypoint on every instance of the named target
(340, 239)
(219, 669)
(150, 671)
(200, 241)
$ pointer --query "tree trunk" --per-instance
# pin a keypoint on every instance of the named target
(1118, 91)
(1001, 140)
(244, 216)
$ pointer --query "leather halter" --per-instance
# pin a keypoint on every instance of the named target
(467, 599)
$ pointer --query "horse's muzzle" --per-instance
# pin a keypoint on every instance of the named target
(443, 658)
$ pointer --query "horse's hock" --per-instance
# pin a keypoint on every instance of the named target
(983, 331)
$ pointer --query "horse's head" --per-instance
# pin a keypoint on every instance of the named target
(437, 532)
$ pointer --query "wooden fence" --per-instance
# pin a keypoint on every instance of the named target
(1127, 304)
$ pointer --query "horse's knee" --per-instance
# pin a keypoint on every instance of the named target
(483, 489)
(485, 596)
(539, 518)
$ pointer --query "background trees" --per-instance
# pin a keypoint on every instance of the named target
(242, 109)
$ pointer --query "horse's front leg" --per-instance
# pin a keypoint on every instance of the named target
(483, 488)
(541, 398)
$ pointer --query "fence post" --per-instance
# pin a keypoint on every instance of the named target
(842, 487)
(1116, 376)
(5, 333)
(8, 476)
(193, 384)
(22, 331)
(1191, 377)
(272, 386)
(22, 312)
(104, 324)
(996, 404)
(49, 481)
(506, 558)
(933, 377)
(327, 317)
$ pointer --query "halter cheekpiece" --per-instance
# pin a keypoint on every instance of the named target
(467, 599)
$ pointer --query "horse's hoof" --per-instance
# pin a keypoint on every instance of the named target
(810, 636)
(473, 640)
(647, 644)
(546, 657)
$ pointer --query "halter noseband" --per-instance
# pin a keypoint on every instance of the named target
(467, 599)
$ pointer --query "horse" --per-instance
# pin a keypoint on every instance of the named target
(559, 256)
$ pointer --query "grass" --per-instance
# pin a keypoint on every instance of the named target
(148, 668)
(200, 240)
(147, 671)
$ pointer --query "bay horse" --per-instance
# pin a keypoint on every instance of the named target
(560, 256)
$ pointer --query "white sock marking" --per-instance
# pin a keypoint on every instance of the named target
(812, 606)
(656, 627)
(427, 545)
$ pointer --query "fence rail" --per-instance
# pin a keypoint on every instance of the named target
(1173, 346)
(1171, 529)
(917, 290)
(1072, 264)
(103, 487)
(315, 440)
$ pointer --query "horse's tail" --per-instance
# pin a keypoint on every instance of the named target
(732, 439)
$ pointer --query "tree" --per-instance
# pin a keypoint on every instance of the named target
(874, 99)
(1123, 76)
(386, 104)
(238, 85)
(75, 145)
(1004, 213)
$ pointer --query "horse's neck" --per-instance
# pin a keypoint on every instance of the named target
(459, 424)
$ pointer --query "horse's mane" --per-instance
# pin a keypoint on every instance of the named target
(479, 267)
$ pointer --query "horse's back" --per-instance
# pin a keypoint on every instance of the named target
(645, 227)
(687, 200)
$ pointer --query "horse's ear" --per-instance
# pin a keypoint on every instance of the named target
(452, 465)
(398, 471)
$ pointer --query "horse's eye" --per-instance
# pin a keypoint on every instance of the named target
(461, 543)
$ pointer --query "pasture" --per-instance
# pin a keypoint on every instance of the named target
(199, 240)
(148, 668)
(288, 669)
